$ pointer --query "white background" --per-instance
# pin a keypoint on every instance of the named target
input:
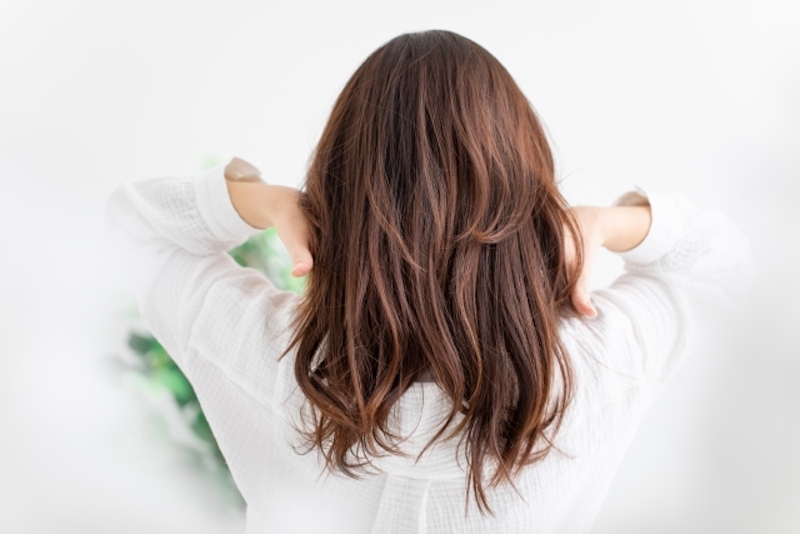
(700, 97)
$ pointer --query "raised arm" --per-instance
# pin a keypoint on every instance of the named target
(203, 307)
(685, 266)
(618, 228)
(263, 206)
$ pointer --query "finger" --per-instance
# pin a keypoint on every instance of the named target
(294, 238)
(301, 269)
(582, 302)
(581, 297)
(302, 260)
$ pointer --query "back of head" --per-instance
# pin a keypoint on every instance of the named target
(438, 241)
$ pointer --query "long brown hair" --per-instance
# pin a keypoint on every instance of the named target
(438, 238)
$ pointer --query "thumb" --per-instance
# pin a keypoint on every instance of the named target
(292, 227)
(583, 303)
(581, 298)
(293, 235)
(301, 257)
(302, 264)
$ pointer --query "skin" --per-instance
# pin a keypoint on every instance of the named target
(618, 228)
(262, 206)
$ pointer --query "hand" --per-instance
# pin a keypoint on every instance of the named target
(262, 205)
(617, 228)
(292, 226)
(589, 221)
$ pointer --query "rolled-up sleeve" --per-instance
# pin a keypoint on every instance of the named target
(693, 267)
(175, 234)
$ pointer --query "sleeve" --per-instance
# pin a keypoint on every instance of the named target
(206, 310)
(693, 268)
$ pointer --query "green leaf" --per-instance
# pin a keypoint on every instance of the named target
(159, 359)
(175, 381)
(202, 429)
(140, 344)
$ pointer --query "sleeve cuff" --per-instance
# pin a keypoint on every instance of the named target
(665, 226)
(216, 208)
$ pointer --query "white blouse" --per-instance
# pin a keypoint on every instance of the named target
(226, 325)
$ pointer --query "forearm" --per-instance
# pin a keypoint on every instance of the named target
(624, 227)
(264, 206)
(251, 199)
(250, 195)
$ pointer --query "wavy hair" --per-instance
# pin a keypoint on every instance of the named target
(438, 237)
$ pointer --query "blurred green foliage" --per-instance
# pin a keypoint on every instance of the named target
(263, 252)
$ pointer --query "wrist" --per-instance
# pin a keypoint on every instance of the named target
(625, 227)
(251, 199)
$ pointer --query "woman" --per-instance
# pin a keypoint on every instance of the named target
(446, 369)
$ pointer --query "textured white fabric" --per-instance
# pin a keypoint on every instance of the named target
(226, 326)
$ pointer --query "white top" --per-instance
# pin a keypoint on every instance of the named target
(225, 326)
